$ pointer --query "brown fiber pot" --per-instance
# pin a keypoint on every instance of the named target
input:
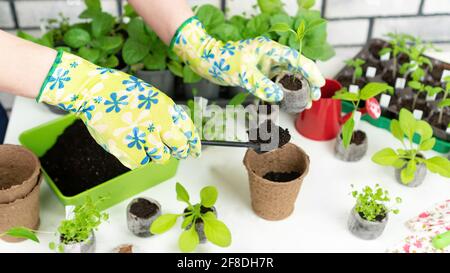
(22, 212)
(275, 200)
(19, 172)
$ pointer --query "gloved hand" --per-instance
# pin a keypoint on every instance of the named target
(131, 119)
(249, 63)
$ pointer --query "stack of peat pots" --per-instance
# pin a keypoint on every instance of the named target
(20, 178)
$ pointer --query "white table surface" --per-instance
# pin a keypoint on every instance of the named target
(318, 223)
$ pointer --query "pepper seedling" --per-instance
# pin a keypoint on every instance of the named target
(410, 155)
(372, 203)
(370, 90)
(445, 102)
(215, 231)
(357, 69)
(398, 44)
(420, 88)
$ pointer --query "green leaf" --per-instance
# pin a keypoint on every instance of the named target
(301, 31)
(208, 196)
(322, 51)
(315, 23)
(226, 32)
(238, 99)
(372, 89)
(396, 130)
(439, 165)
(188, 220)
(424, 130)
(163, 223)
(270, 6)
(134, 51)
(408, 173)
(306, 4)
(23, 233)
(217, 232)
(384, 51)
(385, 157)
(102, 24)
(90, 54)
(182, 194)
(345, 95)
(238, 21)
(189, 76)
(110, 43)
(210, 16)
(93, 5)
(444, 103)
(407, 123)
(428, 144)
(111, 62)
(280, 27)
(347, 131)
(136, 30)
(257, 26)
(415, 85)
(188, 240)
(77, 37)
(176, 68)
(27, 36)
(155, 62)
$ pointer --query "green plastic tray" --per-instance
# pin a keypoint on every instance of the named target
(43, 137)
(441, 146)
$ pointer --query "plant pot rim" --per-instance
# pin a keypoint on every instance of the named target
(20, 200)
(339, 138)
(299, 76)
(280, 184)
(31, 180)
(135, 200)
(367, 222)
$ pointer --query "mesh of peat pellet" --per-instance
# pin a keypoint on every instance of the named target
(21, 213)
(19, 171)
(275, 200)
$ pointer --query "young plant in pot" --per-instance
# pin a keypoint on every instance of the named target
(351, 144)
(409, 161)
(369, 216)
(200, 223)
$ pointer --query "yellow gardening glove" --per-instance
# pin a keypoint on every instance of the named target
(249, 63)
(129, 118)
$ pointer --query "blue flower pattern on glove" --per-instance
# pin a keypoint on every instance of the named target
(136, 139)
(115, 102)
(148, 100)
(134, 83)
(58, 81)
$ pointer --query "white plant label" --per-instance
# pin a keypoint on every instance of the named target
(371, 72)
(385, 100)
(418, 114)
(353, 89)
(400, 83)
(69, 212)
(385, 57)
(357, 118)
(445, 73)
(431, 98)
(448, 130)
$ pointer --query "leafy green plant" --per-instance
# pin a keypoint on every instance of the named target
(370, 90)
(87, 217)
(357, 69)
(398, 44)
(371, 204)
(215, 231)
(445, 102)
(409, 156)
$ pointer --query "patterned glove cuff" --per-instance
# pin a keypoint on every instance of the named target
(50, 73)
(178, 34)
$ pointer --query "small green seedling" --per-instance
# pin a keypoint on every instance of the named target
(357, 69)
(370, 90)
(421, 88)
(445, 102)
(371, 204)
(398, 44)
(215, 231)
(409, 156)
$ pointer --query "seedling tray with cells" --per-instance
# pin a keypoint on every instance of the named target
(425, 93)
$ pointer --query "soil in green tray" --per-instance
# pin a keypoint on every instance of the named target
(434, 121)
(143, 208)
(281, 176)
(291, 82)
(77, 163)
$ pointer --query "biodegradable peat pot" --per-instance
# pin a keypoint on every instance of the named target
(23, 212)
(275, 200)
(141, 212)
(19, 172)
(296, 91)
(205, 89)
(364, 229)
(355, 151)
(199, 225)
(87, 246)
(419, 176)
(163, 80)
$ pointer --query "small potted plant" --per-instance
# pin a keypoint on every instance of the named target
(200, 223)
(409, 162)
(141, 212)
(76, 234)
(351, 144)
(369, 216)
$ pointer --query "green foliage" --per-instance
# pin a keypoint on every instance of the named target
(409, 157)
(270, 6)
(372, 203)
(22, 233)
(357, 69)
(215, 231)
(86, 219)
(370, 90)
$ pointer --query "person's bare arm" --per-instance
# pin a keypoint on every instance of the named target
(23, 65)
(163, 16)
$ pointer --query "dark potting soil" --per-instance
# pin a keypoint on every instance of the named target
(77, 163)
(358, 137)
(376, 47)
(264, 134)
(378, 218)
(434, 121)
(143, 208)
(420, 105)
(291, 82)
(281, 176)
